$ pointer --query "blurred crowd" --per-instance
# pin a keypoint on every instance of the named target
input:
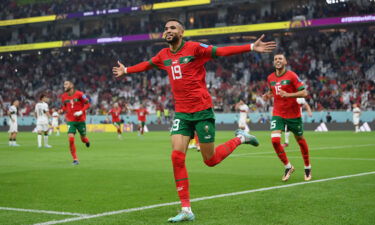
(127, 24)
(333, 65)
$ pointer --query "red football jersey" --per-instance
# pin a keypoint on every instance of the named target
(115, 113)
(141, 113)
(187, 75)
(287, 108)
(74, 103)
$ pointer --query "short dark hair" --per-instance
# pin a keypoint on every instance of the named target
(69, 81)
(42, 96)
(175, 20)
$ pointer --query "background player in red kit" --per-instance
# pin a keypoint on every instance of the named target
(142, 116)
(184, 63)
(286, 87)
(116, 120)
(75, 104)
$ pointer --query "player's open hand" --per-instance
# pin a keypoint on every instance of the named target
(120, 70)
(264, 47)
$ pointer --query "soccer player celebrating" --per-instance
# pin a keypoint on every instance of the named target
(285, 88)
(42, 117)
(75, 104)
(184, 62)
(302, 102)
(115, 113)
(55, 122)
(13, 124)
(242, 120)
(142, 115)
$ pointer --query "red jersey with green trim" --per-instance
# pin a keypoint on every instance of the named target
(287, 108)
(74, 103)
(187, 74)
(115, 113)
(141, 113)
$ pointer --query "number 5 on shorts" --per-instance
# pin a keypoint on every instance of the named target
(176, 125)
(273, 124)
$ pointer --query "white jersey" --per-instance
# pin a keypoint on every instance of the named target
(301, 102)
(13, 114)
(244, 110)
(55, 119)
(356, 112)
(41, 108)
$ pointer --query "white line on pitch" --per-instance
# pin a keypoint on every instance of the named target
(42, 211)
(312, 149)
(201, 199)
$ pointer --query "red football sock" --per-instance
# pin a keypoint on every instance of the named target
(85, 139)
(72, 148)
(181, 177)
(222, 151)
(305, 151)
(279, 150)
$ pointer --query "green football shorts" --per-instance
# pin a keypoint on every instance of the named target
(202, 122)
(294, 125)
(74, 126)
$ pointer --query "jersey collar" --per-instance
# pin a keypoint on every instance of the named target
(281, 74)
(73, 93)
(179, 48)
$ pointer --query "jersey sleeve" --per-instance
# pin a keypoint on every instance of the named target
(46, 108)
(156, 61)
(205, 51)
(297, 83)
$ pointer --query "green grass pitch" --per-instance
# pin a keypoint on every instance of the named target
(136, 172)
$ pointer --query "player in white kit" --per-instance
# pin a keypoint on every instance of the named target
(302, 102)
(42, 117)
(356, 117)
(242, 120)
(55, 121)
(13, 124)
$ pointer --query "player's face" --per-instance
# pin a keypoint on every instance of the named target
(67, 86)
(45, 99)
(172, 32)
(279, 61)
(16, 103)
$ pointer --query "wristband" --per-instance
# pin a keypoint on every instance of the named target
(126, 70)
(252, 47)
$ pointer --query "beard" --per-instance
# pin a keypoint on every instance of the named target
(67, 89)
(175, 39)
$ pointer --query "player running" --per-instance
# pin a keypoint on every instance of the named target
(184, 62)
(302, 102)
(242, 119)
(115, 112)
(75, 104)
(55, 121)
(42, 118)
(142, 117)
(285, 87)
(13, 124)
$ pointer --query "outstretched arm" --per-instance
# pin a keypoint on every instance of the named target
(258, 46)
(121, 69)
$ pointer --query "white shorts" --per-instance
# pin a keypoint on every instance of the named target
(355, 121)
(13, 128)
(42, 127)
(55, 124)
